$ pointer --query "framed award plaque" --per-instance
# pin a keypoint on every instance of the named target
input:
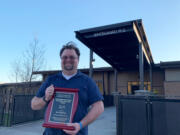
(61, 108)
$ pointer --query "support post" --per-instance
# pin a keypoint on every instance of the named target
(150, 75)
(141, 67)
(90, 64)
(115, 80)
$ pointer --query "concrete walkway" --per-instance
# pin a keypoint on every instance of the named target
(104, 125)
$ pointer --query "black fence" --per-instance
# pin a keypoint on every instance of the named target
(148, 115)
(22, 111)
(2, 106)
(15, 109)
(108, 100)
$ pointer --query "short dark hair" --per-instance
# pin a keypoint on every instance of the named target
(70, 45)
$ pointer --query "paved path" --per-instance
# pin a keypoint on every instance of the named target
(104, 125)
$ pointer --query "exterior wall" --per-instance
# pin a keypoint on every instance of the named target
(128, 76)
(20, 88)
(172, 82)
(98, 78)
(107, 85)
(158, 78)
(172, 88)
(124, 78)
(163, 82)
(172, 74)
(102, 82)
(111, 82)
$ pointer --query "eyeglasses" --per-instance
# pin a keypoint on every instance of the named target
(70, 57)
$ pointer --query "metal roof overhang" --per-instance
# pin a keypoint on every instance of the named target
(118, 44)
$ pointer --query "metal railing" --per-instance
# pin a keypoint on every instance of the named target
(2, 106)
(22, 111)
(16, 109)
(147, 115)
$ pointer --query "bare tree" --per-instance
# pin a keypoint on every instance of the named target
(32, 60)
(15, 71)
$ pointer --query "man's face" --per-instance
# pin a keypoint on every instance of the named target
(69, 60)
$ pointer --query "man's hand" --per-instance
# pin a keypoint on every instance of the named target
(38, 103)
(73, 132)
(49, 92)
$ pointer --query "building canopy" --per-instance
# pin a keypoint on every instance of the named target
(118, 44)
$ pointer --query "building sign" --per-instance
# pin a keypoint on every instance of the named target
(105, 33)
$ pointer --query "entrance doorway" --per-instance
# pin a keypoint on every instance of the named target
(132, 86)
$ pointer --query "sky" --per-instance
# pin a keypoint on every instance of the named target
(53, 23)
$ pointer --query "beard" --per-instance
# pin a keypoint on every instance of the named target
(69, 67)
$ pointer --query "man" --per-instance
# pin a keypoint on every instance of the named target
(70, 77)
